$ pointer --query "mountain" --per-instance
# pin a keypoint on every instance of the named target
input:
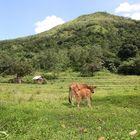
(107, 38)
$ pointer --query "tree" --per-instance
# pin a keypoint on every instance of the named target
(20, 69)
(15, 66)
(131, 67)
(127, 51)
(77, 56)
(5, 62)
(93, 61)
(52, 60)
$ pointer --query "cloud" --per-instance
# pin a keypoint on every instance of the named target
(129, 10)
(126, 7)
(48, 23)
(136, 16)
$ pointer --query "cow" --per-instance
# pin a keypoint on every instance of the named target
(80, 91)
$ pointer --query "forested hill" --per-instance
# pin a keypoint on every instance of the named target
(86, 44)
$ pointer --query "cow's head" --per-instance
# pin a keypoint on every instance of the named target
(92, 88)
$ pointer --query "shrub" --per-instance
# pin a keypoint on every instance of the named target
(89, 69)
(50, 76)
(131, 67)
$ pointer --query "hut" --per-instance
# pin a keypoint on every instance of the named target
(39, 80)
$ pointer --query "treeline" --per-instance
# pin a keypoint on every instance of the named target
(88, 44)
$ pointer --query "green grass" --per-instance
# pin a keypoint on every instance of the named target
(42, 112)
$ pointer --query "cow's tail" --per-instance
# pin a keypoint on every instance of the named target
(70, 95)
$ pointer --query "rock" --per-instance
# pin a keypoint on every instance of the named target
(132, 133)
(63, 125)
(101, 138)
(83, 130)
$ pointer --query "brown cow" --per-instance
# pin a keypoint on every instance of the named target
(80, 91)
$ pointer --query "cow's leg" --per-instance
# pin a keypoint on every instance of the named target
(72, 101)
(78, 99)
(89, 101)
(70, 97)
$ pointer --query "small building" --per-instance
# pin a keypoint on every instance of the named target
(39, 80)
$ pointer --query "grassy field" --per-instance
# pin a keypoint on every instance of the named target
(42, 112)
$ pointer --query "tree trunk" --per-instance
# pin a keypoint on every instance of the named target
(18, 79)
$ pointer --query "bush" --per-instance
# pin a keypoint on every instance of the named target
(89, 69)
(50, 76)
(131, 67)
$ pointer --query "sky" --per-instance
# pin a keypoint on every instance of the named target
(19, 18)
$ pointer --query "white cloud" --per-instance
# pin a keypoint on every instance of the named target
(48, 23)
(136, 16)
(126, 7)
(129, 10)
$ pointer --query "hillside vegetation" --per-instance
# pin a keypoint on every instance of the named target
(87, 44)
